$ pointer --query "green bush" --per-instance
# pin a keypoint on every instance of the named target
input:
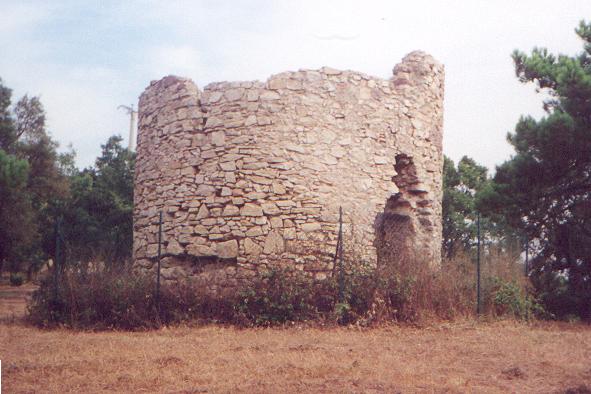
(16, 279)
(509, 298)
(360, 286)
(278, 296)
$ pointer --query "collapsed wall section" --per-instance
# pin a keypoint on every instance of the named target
(251, 174)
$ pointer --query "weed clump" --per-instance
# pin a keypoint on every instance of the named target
(402, 290)
(122, 299)
(96, 299)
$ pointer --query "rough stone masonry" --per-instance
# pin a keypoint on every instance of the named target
(252, 174)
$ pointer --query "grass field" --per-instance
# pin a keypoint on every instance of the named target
(465, 356)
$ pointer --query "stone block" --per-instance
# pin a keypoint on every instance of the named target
(218, 138)
(231, 210)
(228, 165)
(252, 248)
(274, 243)
(203, 212)
(250, 209)
(276, 222)
(309, 227)
(254, 231)
(270, 208)
(200, 250)
(269, 96)
(174, 248)
(227, 249)
(234, 94)
(278, 188)
(205, 190)
(289, 233)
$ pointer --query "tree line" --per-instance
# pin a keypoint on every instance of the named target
(40, 187)
(540, 197)
(542, 194)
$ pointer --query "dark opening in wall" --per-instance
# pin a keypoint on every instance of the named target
(394, 236)
(394, 227)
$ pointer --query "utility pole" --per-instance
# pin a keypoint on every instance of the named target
(132, 122)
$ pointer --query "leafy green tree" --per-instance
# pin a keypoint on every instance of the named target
(7, 132)
(33, 143)
(24, 139)
(463, 189)
(38, 185)
(47, 184)
(114, 184)
(460, 186)
(114, 170)
(29, 119)
(544, 190)
(17, 230)
(98, 214)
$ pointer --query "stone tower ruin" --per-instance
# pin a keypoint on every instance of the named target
(252, 174)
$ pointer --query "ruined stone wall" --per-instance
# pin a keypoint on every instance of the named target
(250, 174)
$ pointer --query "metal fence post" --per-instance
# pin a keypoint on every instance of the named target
(340, 252)
(478, 310)
(526, 265)
(159, 254)
(57, 255)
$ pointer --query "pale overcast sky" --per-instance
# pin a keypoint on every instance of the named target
(84, 58)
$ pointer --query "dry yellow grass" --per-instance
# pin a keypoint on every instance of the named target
(459, 357)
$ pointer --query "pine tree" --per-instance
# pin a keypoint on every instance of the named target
(545, 188)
